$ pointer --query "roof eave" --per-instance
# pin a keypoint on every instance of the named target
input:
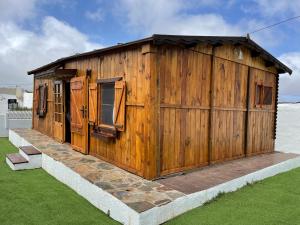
(161, 39)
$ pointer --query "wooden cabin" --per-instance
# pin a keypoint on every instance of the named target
(162, 104)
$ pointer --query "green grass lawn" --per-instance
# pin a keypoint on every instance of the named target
(34, 197)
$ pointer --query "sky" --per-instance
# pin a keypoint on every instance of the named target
(36, 32)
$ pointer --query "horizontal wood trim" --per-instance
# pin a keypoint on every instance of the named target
(260, 153)
(201, 107)
(135, 104)
(178, 106)
(108, 80)
(228, 159)
(262, 110)
(181, 169)
(229, 109)
(214, 108)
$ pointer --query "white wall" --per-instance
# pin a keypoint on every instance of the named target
(27, 100)
(3, 130)
(288, 128)
(14, 119)
(3, 102)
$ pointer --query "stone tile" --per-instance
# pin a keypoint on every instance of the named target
(104, 185)
(104, 166)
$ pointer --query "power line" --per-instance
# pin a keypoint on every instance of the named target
(275, 24)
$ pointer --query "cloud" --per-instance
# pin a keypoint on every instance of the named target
(290, 85)
(16, 9)
(173, 17)
(22, 50)
(277, 7)
(96, 16)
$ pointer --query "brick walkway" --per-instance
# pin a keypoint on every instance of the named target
(136, 192)
(213, 175)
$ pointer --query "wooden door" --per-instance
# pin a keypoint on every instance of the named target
(59, 117)
(79, 137)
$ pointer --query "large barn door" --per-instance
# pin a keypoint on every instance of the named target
(78, 114)
(59, 111)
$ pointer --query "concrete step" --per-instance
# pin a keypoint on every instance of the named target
(16, 161)
(29, 151)
(33, 156)
(27, 158)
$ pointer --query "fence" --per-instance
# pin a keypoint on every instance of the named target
(14, 119)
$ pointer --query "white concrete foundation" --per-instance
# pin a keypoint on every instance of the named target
(19, 166)
(157, 215)
(34, 160)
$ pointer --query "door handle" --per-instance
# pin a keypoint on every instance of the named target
(82, 111)
(85, 111)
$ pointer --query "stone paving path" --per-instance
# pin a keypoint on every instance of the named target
(136, 192)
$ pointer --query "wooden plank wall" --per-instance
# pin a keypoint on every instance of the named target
(184, 101)
(228, 110)
(185, 75)
(45, 124)
(261, 120)
(134, 150)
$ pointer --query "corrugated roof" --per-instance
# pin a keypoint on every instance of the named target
(159, 39)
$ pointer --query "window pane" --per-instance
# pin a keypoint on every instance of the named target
(107, 103)
(267, 96)
(107, 114)
(258, 94)
(107, 93)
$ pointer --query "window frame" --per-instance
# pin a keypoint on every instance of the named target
(100, 104)
(260, 100)
(99, 100)
(58, 101)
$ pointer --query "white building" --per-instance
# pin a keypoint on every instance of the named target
(24, 98)
(10, 119)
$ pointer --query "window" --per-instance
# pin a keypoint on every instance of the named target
(58, 102)
(12, 104)
(107, 100)
(263, 95)
(107, 97)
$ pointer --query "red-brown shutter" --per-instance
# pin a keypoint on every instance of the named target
(119, 105)
(93, 102)
(44, 107)
(37, 99)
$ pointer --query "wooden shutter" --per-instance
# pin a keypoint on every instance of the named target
(93, 102)
(119, 105)
(77, 104)
(36, 99)
(44, 106)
